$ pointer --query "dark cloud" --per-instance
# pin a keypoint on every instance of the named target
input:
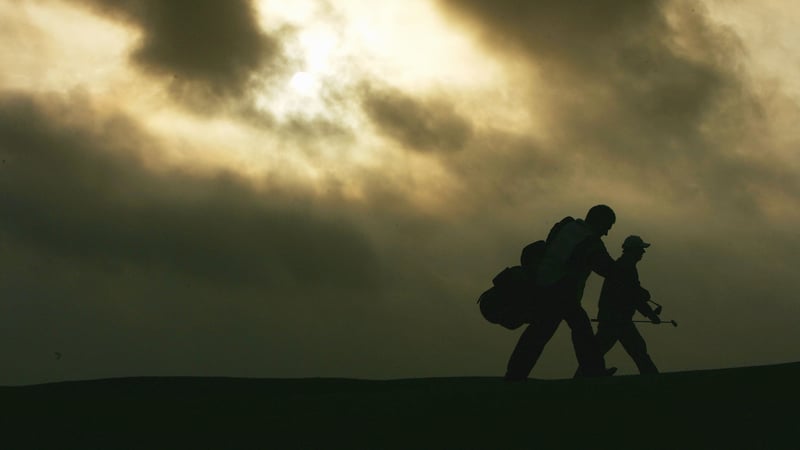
(204, 47)
(215, 59)
(607, 73)
(98, 202)
(128, 268)
(418, 124)
(567, 32)
(652, 94)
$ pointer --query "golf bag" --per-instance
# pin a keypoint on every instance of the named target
(511, 300)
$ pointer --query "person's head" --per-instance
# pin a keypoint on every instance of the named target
(601, 218)
(634, 247)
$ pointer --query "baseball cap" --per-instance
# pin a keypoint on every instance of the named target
(634, 241)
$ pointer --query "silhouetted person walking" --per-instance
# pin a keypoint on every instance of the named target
(622, 295)
(573, 250)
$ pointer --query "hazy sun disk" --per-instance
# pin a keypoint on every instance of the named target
(404, 43)
(303, 83)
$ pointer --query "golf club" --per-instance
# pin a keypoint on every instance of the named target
(671, 322)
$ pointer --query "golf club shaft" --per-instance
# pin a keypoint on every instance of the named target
(671, 322)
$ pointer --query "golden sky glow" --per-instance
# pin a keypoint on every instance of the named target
(334, 48)
(409, 45)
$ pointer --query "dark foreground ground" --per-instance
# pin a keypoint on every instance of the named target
(748, 408)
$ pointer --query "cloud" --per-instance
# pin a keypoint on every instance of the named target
(134, 267)
(101, 203)
(417, 124)
(610, 72)
(652, 94)
(205, 46)
(565, 32)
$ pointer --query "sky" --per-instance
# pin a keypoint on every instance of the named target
(323, 188)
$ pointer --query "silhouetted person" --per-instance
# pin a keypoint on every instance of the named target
(573, 250)
(529, 260)
(622, 295)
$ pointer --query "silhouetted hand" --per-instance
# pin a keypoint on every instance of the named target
(655, 319)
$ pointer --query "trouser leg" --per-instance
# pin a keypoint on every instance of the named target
(606, 337)
(590, 360)
(634, 344)
(530, 345)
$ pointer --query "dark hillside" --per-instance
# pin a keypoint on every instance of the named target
(753, 407)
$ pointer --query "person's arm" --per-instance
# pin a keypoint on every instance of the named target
(626, 277)
(599, 260)
(643, 307)
(641, 296)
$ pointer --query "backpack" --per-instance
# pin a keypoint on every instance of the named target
(511, 299)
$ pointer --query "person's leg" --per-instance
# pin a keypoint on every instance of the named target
(605, 339)
(634, 344)
(607, 335)
(590, 360)
(529, 347)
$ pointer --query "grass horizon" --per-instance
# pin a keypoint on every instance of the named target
(743, 407)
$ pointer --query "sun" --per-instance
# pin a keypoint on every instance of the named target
(303, 83)
(317, 51)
